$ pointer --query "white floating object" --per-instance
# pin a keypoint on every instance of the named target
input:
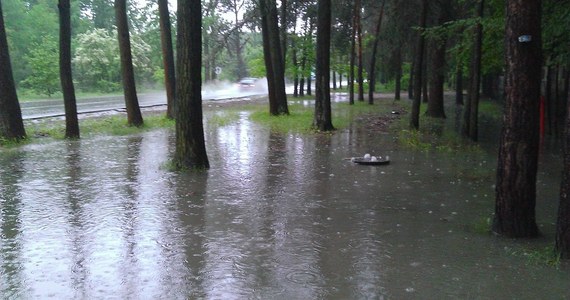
(373, 158)
(366, 156)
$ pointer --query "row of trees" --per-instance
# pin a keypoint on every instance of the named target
(442, 39)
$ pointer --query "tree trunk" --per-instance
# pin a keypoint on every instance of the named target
(563, 223)
(295, 68)
(418, 66)
(518, 147)
(207, 62)
(471, 120)
(360, 75)
(398, 61)
(459, 85)
(435, 107)
(134, 116)
(309, 85)
(272, 48)
(283, 31)
(353, 52)
(190, 150)
(167, 56)
(372, 74)
(11, 123)
(69, 101)
(323, 114)
(411, 81)
(548, 98)
(334, 79)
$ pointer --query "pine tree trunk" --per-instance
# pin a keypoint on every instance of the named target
(518, 148)
(11, 123)
(435, 107)
(134, 116)
(353, 52)
(277, 98)
(190, 150)
(372, 74)
(323, 114)
(360, 75)
(471, 120)
(563, 223)
(69, 101)
(418, 66)
(459, 85)
(398, 61)
(167, 57)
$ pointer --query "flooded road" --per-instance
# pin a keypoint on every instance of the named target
(278, 216)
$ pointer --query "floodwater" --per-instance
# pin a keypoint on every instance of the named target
(278, 216)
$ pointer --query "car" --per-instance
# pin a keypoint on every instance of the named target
(247, 83)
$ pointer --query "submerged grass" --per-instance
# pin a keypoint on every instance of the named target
(223, 118)
(112, 125)
(299, 120)
(434, 135)
(540, 256)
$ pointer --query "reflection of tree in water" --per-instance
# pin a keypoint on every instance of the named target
(130, 209)
(76, 199)
(10, 224)
(191, 189)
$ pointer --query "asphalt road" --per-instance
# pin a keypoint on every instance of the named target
(54, 107)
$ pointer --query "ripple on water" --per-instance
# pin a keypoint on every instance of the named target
(305, 277)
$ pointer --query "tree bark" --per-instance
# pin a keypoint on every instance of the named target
(459, 85)
(69, 100)
(323, 115)
(167, 56)
(418, 66)
(372, 74)
(562, 246)
(471, 119)
(435, 107)
(134, 116)
(190, 150)
(360, 75)
(272, 48)
(518, 148)
(353, 52)
(283, 32)
(11, 123)
(398, 61)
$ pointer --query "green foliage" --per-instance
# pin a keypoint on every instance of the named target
(44, 62)
(555, 37)
(27, 24)
(96, 60)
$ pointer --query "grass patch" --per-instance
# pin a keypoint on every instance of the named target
(434, 135)
(300, 119)
(541, 256)
(11, 143)
(112, 125)
(491, 109)
(481, 226)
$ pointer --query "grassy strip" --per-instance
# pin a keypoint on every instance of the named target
(300, 118)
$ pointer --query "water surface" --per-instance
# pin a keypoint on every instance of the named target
(278, 216)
